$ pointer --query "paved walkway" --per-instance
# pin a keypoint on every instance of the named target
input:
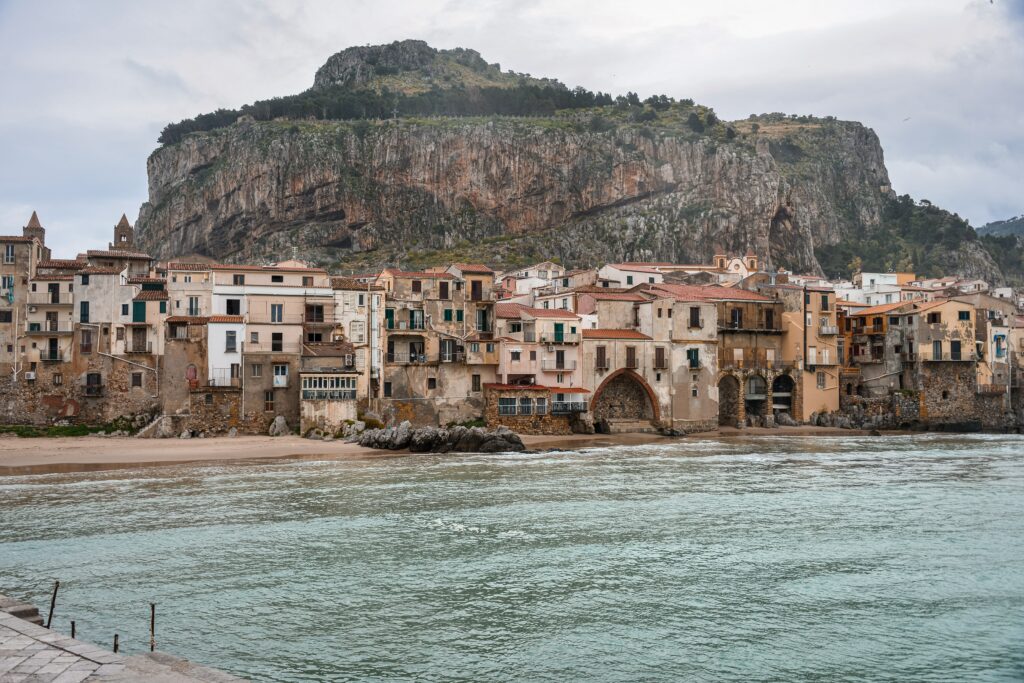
(34, 654)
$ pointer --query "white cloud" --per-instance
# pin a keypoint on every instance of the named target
(87, 86)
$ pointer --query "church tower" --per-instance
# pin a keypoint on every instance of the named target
(35, 229)
(124, 235)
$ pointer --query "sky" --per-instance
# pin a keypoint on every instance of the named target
(86, 87)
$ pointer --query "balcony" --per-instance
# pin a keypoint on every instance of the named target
(601, 365)
(552, 365)
(752, 364)
(406, 325)
(867, 358)
(631, 364)
(453, 357)
(740, 326)
(193, 312)
(50, 298)
(953, 357)
(407, 358)
(93, 390)
(567, 407)
(827, 330)
(992, 389)
(181, 332)
(49, 327)
(555, 338)
(47, 356)
(328, 394)
(869, 329)
(132, 346)
(272, 347)
(695, 324)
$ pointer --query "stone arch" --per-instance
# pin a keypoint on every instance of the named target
(755, 396)
(625, 395)
(783, 394)
(728, 400)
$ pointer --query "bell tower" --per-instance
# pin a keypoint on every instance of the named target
(35, 229)
(124, 235)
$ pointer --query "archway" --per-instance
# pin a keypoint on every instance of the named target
(728, 401)
(624, 395)
(756, 397)
(782, 395)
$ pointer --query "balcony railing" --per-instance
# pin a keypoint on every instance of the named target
(867, 358)
(563, 338)
(328, 394)
(50, 298)
(869, 329)
(695, 324)
(138, 346)
(406, 325)
(740, 326)
(271, 347)
(601, 365)
(47, 356)
(631, 364)
(407, 358)
(566, 407)
(947, 356)
(184, 332)
(992, 389)
(453, 357)
(93, 390)
(752, 364)
(827, 330)
(552, 365)
(49, 328)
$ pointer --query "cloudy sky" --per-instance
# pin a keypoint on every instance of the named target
(87, 86)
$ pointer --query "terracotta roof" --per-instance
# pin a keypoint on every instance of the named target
(418, 274)
(473, 268)
(844, 302)
(61, 264)
(190, 266)
(15, 238)
(591, 289)
(133, 255)
(932, 304)
(327, 350)
(550, 313)
(613, 334)
(225, 318)
(617, 296)
(635, 267)
(52, 278)
(509, 310)
(709, 293)
(189, 319)
(145, 279)
(150, 295)
(33, 222)
(100, 270)
(884, 308)
(264, 269)
(349, 283)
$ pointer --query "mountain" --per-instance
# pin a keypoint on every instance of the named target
(404, 154)
(1011, 226)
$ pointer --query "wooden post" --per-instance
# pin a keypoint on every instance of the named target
(72, 628)
(53, 603)
(115, 642)
(152, 626)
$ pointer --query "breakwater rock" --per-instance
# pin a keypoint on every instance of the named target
(442, 440)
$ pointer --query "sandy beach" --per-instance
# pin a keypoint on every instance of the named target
(87, 453)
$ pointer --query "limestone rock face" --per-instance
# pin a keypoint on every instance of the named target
(369, 193)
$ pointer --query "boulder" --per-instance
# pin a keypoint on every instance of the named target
(582, 423)
(423, 439)
(785, 420)
(186, 435)
(279, 427)
(315, 435)
(233, 432)
(401, 436)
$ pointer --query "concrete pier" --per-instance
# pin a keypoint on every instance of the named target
(32, 653)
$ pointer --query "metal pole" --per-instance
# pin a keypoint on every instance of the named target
(72, 628)
(152, 626)
(53, 602)
(115, 642)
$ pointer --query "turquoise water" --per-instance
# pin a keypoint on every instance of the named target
(768, 559)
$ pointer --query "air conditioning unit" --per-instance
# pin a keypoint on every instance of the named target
(31, 309)
(551, 348)
(30, 376)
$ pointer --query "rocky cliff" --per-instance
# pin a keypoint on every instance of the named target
(620, 182)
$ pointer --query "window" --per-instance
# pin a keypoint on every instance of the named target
(277, 278)
(417, 286)
(8, 253)
(6, 316)
(769, 319)
(629, 279)
(119, 334)
(458, 316)
(58, 378)
(209, 399)
(954, 349)
(526, 406)
(268, 401)
(7, 282)
(476, 383)
(85, 279)
(136, 379)
(193, 305)
(229, 341)
(506, 406)
(474, 347)
(358, 331)
(238, 279)
(83, 311)
(490, 348)
(307, 280)
(937, 350)
(693, 358)
(659, 358)
(442, 290)
(533, 355)
(565, 304)
(449, 315)
(85, 343)
(163, 306)
(963, 315)
(659, 312)
(431, 383)
(631, 357)
(314, 337)
(233, 306)
(934, 318)
(515, 356)
(188, 278)
(124, 309)
(821, 380)
(601, 358)
(314, 313)
(280, 374)
(254, 337)
(541, 406)
(256, 370)
(515, 326)
(894, 320)
(824, 302)
(736, 317)
(387, 389)
(276, 313)
(362, 300)
(277, 341)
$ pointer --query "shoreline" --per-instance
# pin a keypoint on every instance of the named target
(55, 455)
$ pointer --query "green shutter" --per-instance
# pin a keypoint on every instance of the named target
(447, 315)
(163, 306)
(138, 311)
(458, 315)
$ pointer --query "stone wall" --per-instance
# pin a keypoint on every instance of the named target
(525, 424)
